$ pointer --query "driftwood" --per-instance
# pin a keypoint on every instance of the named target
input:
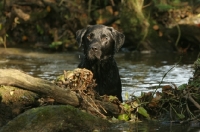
(24, 81)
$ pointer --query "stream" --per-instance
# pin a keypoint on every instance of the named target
(139, 72)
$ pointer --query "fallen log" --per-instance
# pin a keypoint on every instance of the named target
(17, 78)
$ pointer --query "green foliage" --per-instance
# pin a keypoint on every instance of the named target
(176, 1)
(132, 110)
(182, 87)
(143, 112)
(127, 108)
(124, 117)
(164, 7)
(39, 29)
(56, 44)
(180, 116)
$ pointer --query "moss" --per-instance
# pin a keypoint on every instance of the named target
(14, 101)
(12, 94)
(55, 118)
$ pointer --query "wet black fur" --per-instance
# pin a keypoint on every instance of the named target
(100, 43)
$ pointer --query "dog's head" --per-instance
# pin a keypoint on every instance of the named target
(99, 41)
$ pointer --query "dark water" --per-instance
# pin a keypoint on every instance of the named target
(155, 127)
(139, 72)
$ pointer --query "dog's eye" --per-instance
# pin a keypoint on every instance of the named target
(90, 36)
(104, 37)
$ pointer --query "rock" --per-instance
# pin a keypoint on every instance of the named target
(59, 118)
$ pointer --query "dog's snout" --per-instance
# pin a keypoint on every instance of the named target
(95, 47)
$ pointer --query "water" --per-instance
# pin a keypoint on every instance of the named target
(144, 72)
(154, 126)
(139, 73)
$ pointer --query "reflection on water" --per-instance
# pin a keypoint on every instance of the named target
(145, 72)
(46, 66)
(139, 72)
(154, 126)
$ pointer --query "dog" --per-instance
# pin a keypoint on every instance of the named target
(100, 43)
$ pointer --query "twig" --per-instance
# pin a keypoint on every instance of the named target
(193, 101)
(166, 75)
(188, 110)
(179, 35)
(192, 119)
(147, 4)
(93, 106)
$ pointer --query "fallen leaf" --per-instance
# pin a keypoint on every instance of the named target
(143, 112)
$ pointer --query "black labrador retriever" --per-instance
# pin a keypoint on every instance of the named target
(100, 44)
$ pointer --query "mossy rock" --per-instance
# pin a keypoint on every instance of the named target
(55, 118)
(14, 101)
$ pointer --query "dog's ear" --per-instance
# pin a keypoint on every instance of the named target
(117, 37)
(79, 35)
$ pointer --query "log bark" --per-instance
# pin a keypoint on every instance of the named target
(19, 79)
(24, 81)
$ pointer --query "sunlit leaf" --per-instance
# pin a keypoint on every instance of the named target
(180, 116)
(124, 117)
(164, 7)
(112, 98)
(12, 92)
(127, 107)
(133, 117)
(55, 44)
(113, 118)
(143, 112)
(126, 96)
(61, 78)
(134, 104)
(16, 20)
